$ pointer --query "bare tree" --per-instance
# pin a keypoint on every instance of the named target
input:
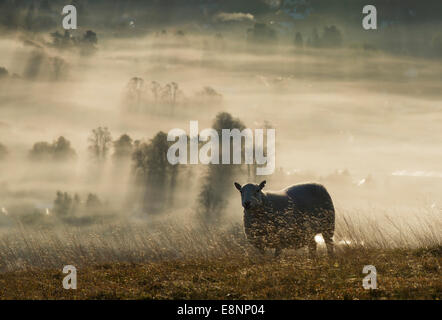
(166, 94)
(136, 89)
(100, 142)
(155, 88)
(174, 86)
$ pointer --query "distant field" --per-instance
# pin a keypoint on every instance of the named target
(402, 274)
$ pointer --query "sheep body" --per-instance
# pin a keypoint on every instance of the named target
(291, 218)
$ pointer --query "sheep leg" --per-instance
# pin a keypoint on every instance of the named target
(312, 248)
(328, 239)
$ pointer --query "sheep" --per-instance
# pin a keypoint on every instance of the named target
(290, 218)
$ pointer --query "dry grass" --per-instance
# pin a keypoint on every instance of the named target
(402, 274)
(180, 261)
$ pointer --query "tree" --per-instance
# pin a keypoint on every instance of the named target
(261, 33)
(123, 147)
(76, 203)
(208, 94)
(175, 89)
(299, 43)
(41, 151)
(93, 202)
(3, 151)
(155, 88)
(59, 150)
(331, 37)
(86, 43)
(155, 172)
(136, 90)
(314, 41)
(62, 150)
(63, 204)
(90, 38)
(61, 41)
(216, 188)
(166, 94)
(89, 42)
(3, 72)
(100, 142)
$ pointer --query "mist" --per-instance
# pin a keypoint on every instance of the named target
(364, 122)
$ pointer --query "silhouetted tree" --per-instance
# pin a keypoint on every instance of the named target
(3, 72)
(136, 88)
(155, 87)
(86, 43)
(62, 41)
(63, 204)
(93, 202)
(100, 142)
(41, 151)
(60, 150)
(166, 94)
(90, 37)
(332, 37)
(155, 171)
(314, 41)
(76, 203)
(261, 33)
(123, 147)
(3, 152)
(217, 186)
(174, 88)
(209, 95)
(34, 64)
(89, 42)
(299, 43)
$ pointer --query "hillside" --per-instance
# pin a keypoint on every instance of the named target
(402, 274)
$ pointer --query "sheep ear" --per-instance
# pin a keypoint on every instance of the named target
(262, 185)
(238, 186)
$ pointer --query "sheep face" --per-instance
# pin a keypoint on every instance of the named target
(251, 195)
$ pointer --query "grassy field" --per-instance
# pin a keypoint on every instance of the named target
(402, 274)
(172, 260)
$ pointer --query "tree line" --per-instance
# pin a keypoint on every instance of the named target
(158, 181)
